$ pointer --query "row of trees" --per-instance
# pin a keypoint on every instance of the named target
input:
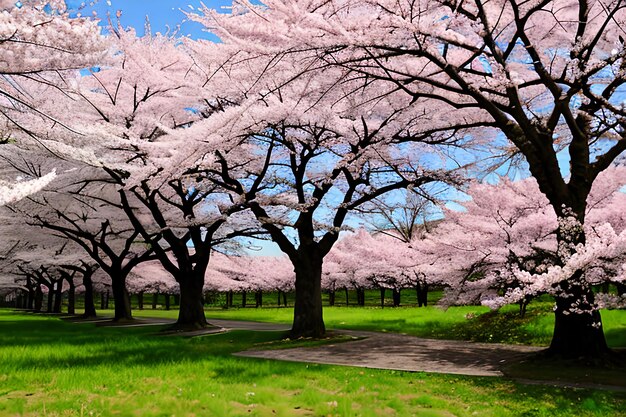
(477, 253)
(307, 113)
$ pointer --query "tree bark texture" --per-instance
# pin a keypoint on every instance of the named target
(396, 297)
(90, 307)
(578, 328)
(191, 311)
(38, 298)
(50, 300)
(122, 299)
(360, 296)
(71, 299)
(307, 315)
(422, 294)
(58, 296)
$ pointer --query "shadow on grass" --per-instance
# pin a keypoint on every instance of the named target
(47, 344)
(608, 372)
(616, 338)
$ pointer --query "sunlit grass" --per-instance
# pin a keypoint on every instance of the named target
(54, 368)
(474, 323)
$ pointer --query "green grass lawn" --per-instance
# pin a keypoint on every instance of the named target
(49, 367)
(474, 323)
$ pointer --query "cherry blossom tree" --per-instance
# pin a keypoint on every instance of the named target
(308, 168)
(38, 263)
(271, 273)
(245, 273)
(390, 262)
(12, 192)
(500, 227)
(333, 278)
(407, 218)
(150, 277)
(347, 263)
(543, 80)
(86, 210)
(27, 260)
(131, 119)
(504, 241)
(38, 41)
(87, 269)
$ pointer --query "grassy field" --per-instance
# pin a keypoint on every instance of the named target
(474, 323)
(50, 367)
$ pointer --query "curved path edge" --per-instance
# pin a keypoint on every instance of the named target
(389, 351)
(405, 353)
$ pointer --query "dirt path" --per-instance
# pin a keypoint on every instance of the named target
(372, 350)
(380, 351)
(405, 353)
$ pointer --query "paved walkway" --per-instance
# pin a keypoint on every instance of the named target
(405, 353)
(379, 350)
(371, 350)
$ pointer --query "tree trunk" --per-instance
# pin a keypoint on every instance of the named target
(90, 307)
(279, 298)
(71, 299)
(176, 299)
(331, 298)
(396, 297)
(578, 328)
(360, 295)
(38, 298)
(155, 299)
(122, 299)
(31, 298)
(50, 301)
(58, 296)
(307, 314)
(191, 311)
(18, 301)
(621, 288)
(258, 297)
(347, 297)
(140, 300)
(102, 301)
(284, 298)
(523, 305)
(167, 301)
(382, 297)
(244, 295)
(422, 294)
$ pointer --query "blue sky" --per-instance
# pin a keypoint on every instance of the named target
(162, 14)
